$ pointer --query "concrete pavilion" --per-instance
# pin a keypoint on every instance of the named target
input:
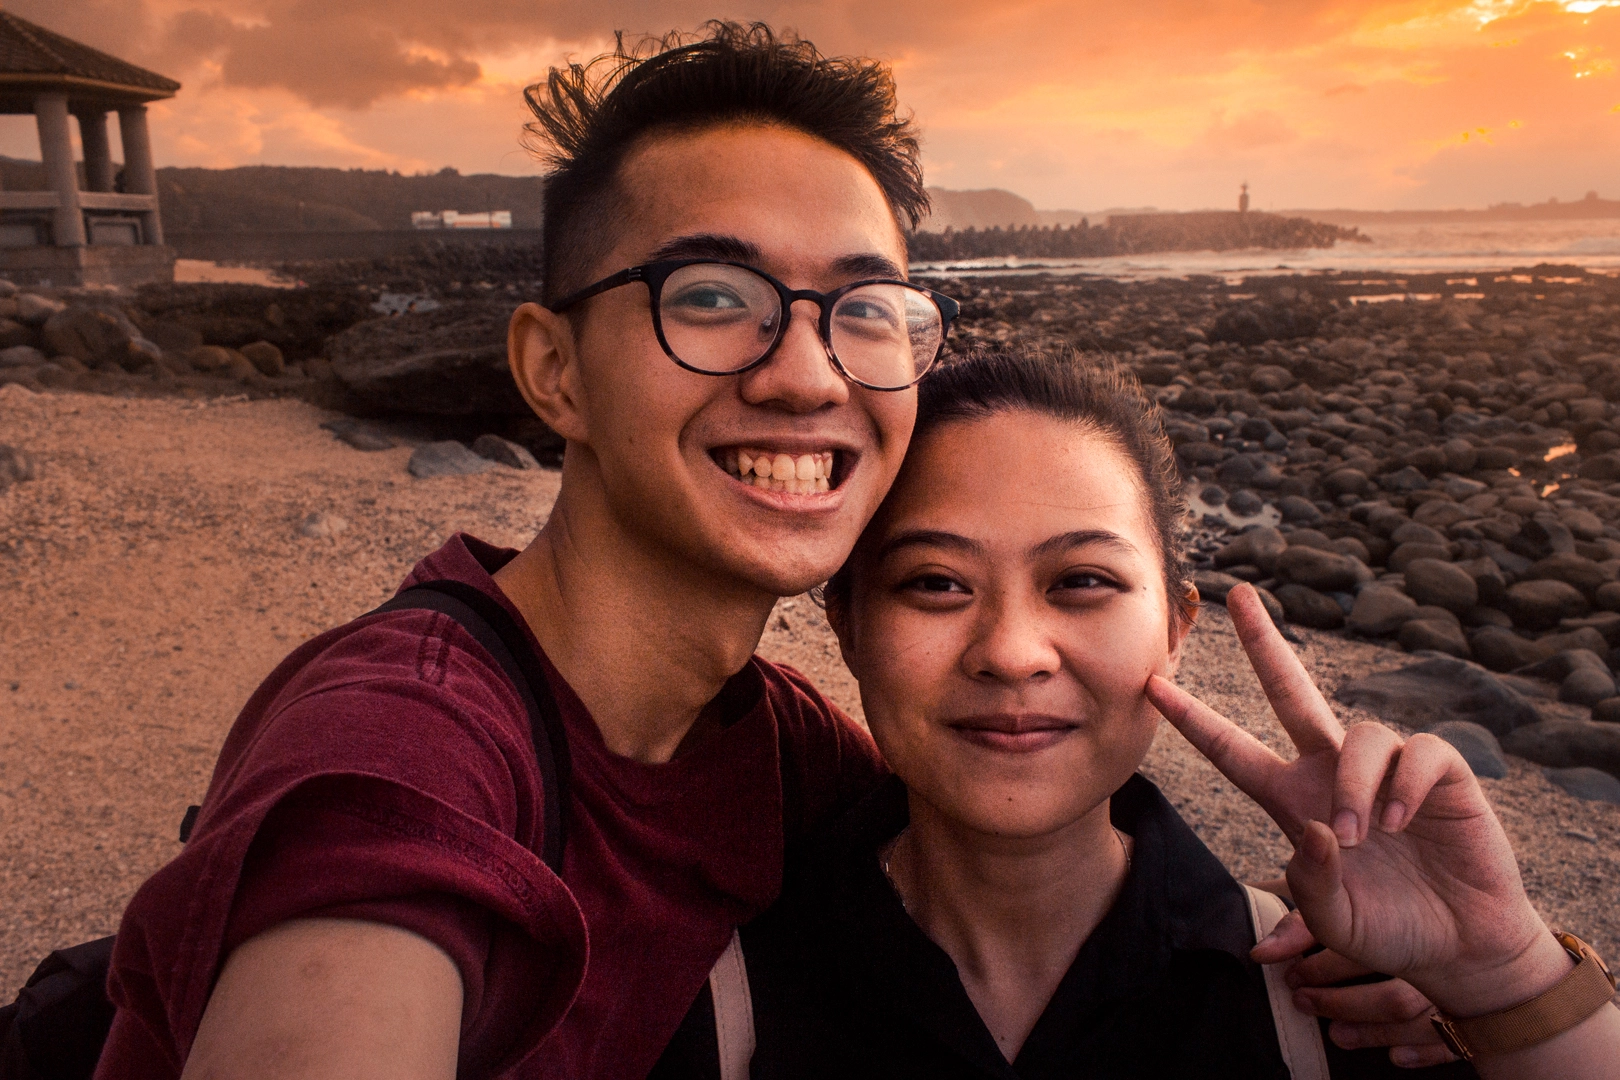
(109, 233)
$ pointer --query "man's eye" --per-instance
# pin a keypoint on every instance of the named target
(707, 299)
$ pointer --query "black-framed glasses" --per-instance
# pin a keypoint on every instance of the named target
(724, 318)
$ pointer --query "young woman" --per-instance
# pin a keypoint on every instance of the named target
(1019, 902)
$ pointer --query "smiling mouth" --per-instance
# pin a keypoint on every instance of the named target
(778, 470)
(1014, 734)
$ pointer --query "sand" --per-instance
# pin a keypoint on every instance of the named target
(156, 570)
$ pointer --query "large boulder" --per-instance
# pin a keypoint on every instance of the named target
(1443, 584)
(1434, 635)
(1257, 547)
(1442, 688)
(1477, 746)
(1380, 610)
(450, 362)
(1305, 606)
(1565, 744)
(1585, 782)
(1577, 570)
(1324, 571)
(1539, 605)
(447, 458)
(1501, 649)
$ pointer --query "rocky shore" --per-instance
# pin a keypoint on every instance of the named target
(1429, 462)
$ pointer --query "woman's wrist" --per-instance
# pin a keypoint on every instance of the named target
(1479, 991)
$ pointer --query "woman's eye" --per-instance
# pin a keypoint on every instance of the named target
(1082, 581)
(934, 583)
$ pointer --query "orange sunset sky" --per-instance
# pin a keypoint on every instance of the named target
(1074, 104)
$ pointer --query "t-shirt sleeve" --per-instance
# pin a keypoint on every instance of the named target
(394, 789)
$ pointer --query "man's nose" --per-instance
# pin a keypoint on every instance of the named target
(798, 377)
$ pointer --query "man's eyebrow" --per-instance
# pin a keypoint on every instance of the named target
(707, 246)
(1082, 538)
(929, 538)
(861, 267)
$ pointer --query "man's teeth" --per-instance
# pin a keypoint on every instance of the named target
(802, 474)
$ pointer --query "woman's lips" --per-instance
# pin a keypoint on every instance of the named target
(1014, 733)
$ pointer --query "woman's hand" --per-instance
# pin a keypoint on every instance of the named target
(1399, 864)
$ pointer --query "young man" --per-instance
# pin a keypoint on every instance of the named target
(363, 894)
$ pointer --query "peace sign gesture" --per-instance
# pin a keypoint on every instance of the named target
(1415, 877)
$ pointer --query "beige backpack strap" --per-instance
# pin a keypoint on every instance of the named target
(1298, 1034)
(734, 1011)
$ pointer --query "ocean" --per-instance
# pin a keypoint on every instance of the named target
(1440, 248)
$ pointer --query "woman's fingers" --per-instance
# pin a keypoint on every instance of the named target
(1364, 759)
(1421, 1057)
(1242, 758)
(1315, 876)
(1288, 939)
(1392, 1001)
(1293, 696)
(1326, 968)
(1425, 761)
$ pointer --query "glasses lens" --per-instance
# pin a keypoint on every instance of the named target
(886, 335)
(719, 318)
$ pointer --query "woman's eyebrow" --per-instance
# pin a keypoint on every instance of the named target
(929, 538)
(1082, 538)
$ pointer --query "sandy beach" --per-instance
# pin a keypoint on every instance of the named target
(159, 565)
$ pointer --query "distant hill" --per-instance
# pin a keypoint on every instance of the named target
(988, 208)
(277, 198)
(1552, 210)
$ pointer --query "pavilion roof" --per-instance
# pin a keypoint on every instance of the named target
(32, 57)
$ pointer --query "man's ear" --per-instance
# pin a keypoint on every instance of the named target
(1184, 613)
(540, 351)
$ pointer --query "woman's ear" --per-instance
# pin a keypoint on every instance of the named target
(837, 608)
(1184, 613)
(540, 352)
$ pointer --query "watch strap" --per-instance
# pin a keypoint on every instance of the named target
(1571, 1000)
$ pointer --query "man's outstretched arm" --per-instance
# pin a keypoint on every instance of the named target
(339, 998)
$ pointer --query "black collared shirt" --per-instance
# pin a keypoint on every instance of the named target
(845, 984)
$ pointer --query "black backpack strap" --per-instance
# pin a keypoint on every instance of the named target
(493, 627)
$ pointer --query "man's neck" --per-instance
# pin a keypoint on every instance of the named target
(646, 642)
(1012, 914)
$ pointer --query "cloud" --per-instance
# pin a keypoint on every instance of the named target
(1078, 103)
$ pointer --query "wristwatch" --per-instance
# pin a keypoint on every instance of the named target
(1572, 999)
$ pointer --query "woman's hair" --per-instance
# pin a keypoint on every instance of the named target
(588, 116)
(1093, 392)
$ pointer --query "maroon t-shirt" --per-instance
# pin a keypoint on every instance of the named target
(385, 771)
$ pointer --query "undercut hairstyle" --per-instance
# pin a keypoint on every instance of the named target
(587, 118)
(1093, 392)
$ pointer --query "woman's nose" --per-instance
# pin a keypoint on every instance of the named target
(1012, 644)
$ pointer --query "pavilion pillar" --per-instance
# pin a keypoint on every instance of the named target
(98, 163)
(140, 177)
(56, 149)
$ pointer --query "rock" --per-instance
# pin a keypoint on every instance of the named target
(1436, 635)
(1477, 746)
(1441, 514)
(266, 357)
(1585, 782)
(320, 525)
(504, 452)
(34, 310)
(1604, 468)
(1585, 638)
(1560, 665)
(1299, 510)
(1586, 686)
(1259, 547)
(1442, 688)
(448, 458)
(16, 466)
(13, 333)
(1489, 581)
(1269, 378)
(1406, 554)
(1413, 532)
(1380, 610)
(1539, 605)
(1583, 523)
(1406, 479)
(1607, 711)
(209, 358)
(1346, 482)
(1306, 607)
(1324, 571)
(1274, 608)
(1443, 584)
(1244, 503)
(449, 361)
(1570, 568)
(1566, 744)
(1213, 495)
(1212, 585)
(1607, 596)
(21, 356)
(358, 435)
(1547, 533)
(100, 338)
